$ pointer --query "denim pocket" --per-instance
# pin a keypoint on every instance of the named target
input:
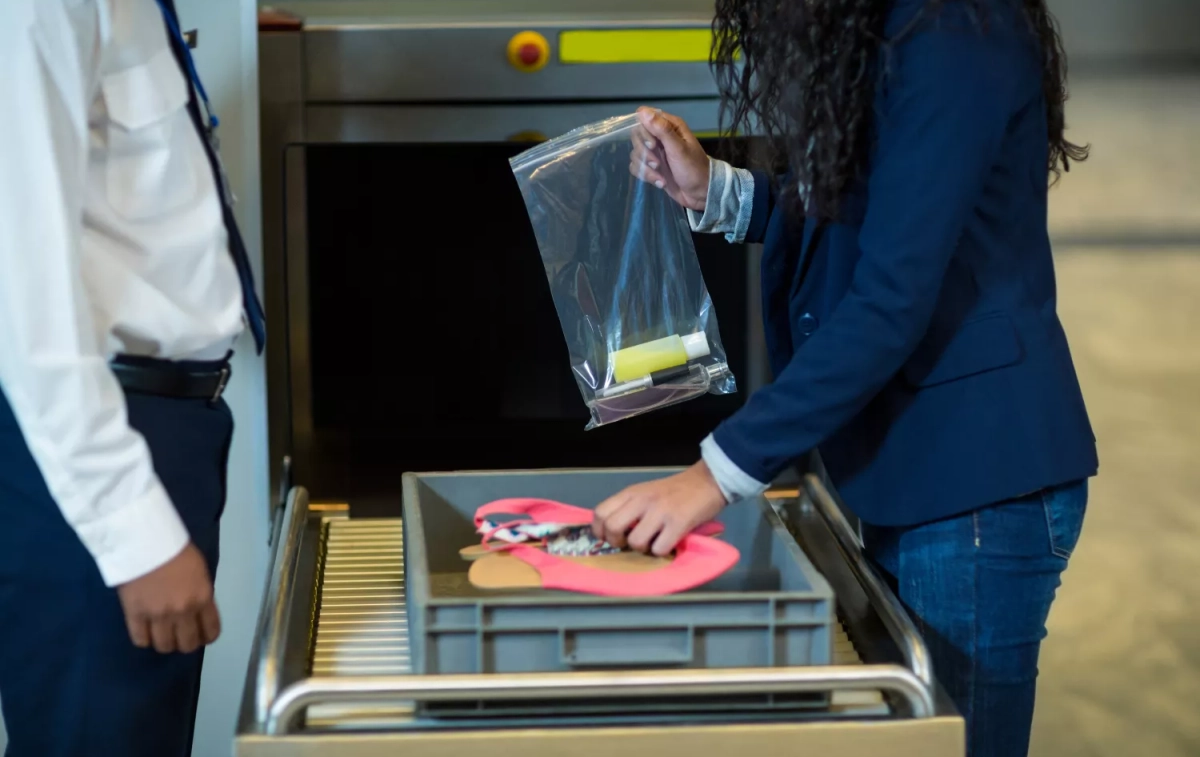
(1065, 507)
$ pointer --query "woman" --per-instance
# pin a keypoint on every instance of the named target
(909, 301)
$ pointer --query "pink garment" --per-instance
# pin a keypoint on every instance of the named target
(698, 557)
(538, 510)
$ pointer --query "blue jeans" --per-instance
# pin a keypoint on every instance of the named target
(979, 586)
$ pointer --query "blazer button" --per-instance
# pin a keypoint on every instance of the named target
(808, 324)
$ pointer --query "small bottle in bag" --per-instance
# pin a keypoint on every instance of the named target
(638, 321)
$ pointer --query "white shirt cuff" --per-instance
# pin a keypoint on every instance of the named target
(718, 179)
(729, 203)
(734, 482)
(136, 539)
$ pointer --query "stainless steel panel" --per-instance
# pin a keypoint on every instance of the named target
(667, 684)
(480, 123)
(283, 636)
(934, 737)
(1094, 30)
(281, 102)
(470, 63)
(456, 50)
(457, 12)
(295, 308)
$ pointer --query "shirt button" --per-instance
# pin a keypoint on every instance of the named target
(808, 324)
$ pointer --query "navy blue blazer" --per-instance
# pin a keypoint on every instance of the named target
(916, 343)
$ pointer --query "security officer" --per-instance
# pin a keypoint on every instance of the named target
(123, 286)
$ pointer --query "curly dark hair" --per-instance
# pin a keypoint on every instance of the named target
(804, 75)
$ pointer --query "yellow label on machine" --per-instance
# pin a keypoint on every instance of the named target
(635, 46)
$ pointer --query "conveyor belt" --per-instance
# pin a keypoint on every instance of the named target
(362, 619)
(361, 622)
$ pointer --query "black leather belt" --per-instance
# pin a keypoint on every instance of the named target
(190, 379)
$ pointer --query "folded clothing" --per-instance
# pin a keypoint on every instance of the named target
(564, 531)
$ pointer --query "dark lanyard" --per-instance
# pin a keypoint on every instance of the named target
(213, 122)
(173, 25)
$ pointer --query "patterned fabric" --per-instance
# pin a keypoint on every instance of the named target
(517, 529)
(559, 538)
(579, 541)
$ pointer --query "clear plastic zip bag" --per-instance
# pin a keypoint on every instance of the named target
(639, 324)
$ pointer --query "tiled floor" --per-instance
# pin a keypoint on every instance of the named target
(1121, 668)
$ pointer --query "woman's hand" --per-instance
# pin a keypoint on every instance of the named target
(667, 155)
(654, 516)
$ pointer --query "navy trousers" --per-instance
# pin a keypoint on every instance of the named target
(980, 586)
(71, 682)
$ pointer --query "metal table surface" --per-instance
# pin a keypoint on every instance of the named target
(331, 671)
(357, 13)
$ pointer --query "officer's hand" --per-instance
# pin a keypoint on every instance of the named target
(172, 607)
(667, 155)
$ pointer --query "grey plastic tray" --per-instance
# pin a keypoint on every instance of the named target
(772, 609)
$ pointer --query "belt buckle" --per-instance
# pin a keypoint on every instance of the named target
(221, 384)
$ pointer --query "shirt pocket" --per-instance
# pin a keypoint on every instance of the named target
(148, 172)
(976, 346)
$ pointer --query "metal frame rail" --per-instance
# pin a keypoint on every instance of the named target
(277, 707)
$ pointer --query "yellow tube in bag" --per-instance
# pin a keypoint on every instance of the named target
(643, 359)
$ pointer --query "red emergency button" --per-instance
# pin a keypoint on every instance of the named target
(528, 51)
(530, 54)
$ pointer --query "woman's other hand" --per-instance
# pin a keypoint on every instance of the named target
(653, 517)
(667, 155)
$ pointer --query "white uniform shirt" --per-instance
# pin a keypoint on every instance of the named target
(111, 241)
